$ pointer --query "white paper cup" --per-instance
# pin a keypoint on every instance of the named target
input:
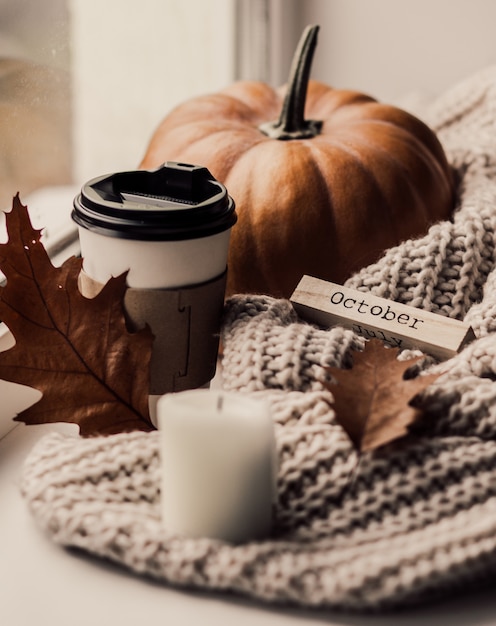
(169, 229)
(154, 264)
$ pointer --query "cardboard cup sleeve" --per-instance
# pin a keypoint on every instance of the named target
(185, 322)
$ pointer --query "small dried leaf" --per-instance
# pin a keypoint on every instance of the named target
(77, 351)
(372, 399)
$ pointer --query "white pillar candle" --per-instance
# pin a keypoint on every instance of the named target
(218, 465)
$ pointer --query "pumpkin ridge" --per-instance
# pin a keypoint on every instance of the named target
(257, 105)
(325, 105)
(407, 121)
(193, 151)
(190, 149)
(410, 125)
(404, 131)
(371, 178)
(228, 107)
(415, 147)
(249, 132)
(324, 187)
(400, 170)
(244, 111)
(229, 164)
(429, 158)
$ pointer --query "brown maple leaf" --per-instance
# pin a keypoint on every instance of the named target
(77, 351)
(372, 400)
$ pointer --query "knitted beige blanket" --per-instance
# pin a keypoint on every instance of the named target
(419, 517)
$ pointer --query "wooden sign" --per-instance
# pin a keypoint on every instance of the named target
(398, 325)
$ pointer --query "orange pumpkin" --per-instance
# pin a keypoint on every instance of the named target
(322, 196)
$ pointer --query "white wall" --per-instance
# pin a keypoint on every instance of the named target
(132, 61)
(389, 48)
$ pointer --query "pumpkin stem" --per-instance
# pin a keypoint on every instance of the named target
(291, 123)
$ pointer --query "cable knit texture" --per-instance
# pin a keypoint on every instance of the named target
(408, 522)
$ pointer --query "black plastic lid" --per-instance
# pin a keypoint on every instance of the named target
(174, 202)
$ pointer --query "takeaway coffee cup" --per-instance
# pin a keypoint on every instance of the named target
(169, 229)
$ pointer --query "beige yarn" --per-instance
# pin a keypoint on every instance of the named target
(412, 520)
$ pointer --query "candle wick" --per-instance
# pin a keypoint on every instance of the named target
(220, 402)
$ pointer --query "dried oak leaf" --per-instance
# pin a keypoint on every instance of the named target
(77, 351)
(372, 399)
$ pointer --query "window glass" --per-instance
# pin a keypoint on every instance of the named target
(35, 109)
(84, 83)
